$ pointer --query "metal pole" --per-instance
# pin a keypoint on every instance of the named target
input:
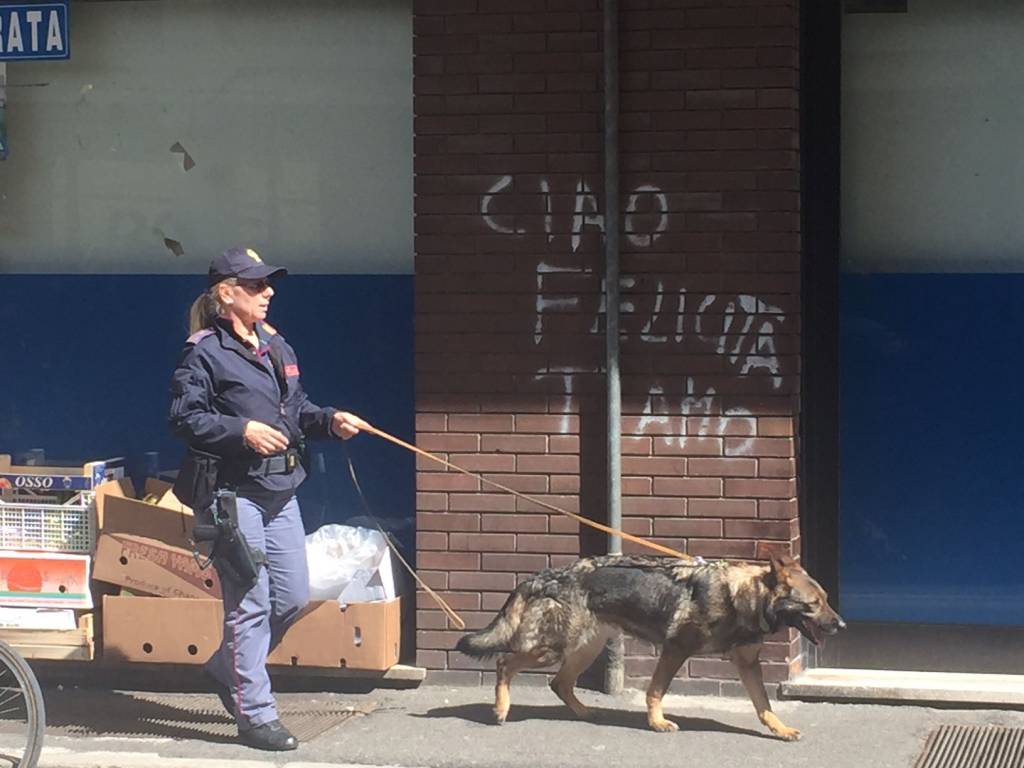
(615, 668)
(3, 110)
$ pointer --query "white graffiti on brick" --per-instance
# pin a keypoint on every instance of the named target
(561, 303)
(586, 212)
(660, 200)
(505, 182)
(746, 338)
(743, 331)
(744, 327)
(663, 414)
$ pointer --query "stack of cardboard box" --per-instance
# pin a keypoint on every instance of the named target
(168, 609)
(47, 530)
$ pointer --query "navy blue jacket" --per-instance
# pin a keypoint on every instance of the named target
(221, 383)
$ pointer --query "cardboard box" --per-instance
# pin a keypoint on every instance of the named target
(144, 544)
(37, 618)
(63, 644)
(359, 636)
(44, 580)
(184, 631)
(161, 629)
(161, 516)
(152, 567)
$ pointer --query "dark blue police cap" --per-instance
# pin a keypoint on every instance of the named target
(244, 263)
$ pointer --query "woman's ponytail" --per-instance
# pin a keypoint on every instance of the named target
(203, 312)
(207, 307)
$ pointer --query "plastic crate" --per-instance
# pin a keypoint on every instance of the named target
(51, 508)
(49, 527)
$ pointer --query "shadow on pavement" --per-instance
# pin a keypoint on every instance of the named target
(601, 716)
(113, 713)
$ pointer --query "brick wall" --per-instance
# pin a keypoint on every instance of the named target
(509, 319)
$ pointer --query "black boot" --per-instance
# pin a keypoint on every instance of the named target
(271, 736)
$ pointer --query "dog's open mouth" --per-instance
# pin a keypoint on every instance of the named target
(809, 629)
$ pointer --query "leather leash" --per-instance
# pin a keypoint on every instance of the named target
(578, 518)
(448, 610)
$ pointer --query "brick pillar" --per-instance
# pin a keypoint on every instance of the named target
(509, 318)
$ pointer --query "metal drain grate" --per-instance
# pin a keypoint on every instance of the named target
(973, 746)
(185, 716)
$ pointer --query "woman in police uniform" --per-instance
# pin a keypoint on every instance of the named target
(236, 396)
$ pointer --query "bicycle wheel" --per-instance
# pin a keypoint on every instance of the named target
(22, 714)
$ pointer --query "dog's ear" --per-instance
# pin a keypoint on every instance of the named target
(782, 564)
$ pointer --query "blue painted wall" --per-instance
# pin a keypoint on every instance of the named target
(88, 358)
(932, 472)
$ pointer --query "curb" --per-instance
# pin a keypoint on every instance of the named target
(64, 758)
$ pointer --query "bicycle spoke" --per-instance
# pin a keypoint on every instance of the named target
(9, 697)
(22, 710)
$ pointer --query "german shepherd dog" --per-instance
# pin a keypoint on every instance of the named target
(566, 615)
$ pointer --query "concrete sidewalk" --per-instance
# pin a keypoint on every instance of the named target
(435, 727)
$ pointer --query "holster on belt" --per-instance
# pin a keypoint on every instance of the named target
(234, 558)
(197, 480)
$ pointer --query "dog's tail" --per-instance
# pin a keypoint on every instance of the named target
(495, 637)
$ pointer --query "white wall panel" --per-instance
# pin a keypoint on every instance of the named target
(932, 139)
(298, 116)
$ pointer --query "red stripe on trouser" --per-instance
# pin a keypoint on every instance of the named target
(234, 673)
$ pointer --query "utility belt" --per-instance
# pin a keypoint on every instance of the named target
(204, 483)
(203, 473)
(279, 464)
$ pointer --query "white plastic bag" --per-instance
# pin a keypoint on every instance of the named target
(350, 565)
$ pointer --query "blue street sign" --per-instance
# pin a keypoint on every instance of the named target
(34, 31)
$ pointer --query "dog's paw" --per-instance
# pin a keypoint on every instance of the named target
(663, 726)
(787, 734)
(499, 717)
(779, 729)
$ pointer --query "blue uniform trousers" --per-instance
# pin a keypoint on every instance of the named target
(255, 621)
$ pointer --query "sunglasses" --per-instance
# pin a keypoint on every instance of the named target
(254, 286)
